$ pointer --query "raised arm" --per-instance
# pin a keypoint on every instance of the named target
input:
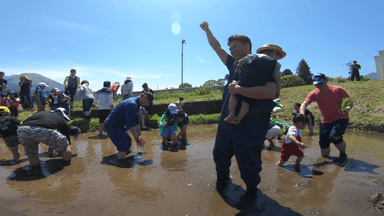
(214, 43)
(257, 92)
(303, 107)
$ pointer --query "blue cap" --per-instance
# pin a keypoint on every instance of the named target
(318, 78)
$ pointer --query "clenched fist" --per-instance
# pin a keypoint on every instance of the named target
(204, 26)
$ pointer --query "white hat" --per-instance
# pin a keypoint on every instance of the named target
(43, 84)
(61, 112)
(172, 108)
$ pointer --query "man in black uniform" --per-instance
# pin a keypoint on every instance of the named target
(355, 71)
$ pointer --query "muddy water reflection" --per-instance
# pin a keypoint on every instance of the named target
(157, 181)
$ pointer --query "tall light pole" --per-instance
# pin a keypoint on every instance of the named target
(182, 43)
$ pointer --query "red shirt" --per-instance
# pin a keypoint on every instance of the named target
(329, 103)
(114, 88)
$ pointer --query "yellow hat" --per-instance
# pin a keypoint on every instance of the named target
(4, 109)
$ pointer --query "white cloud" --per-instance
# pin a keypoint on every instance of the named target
(201, 60)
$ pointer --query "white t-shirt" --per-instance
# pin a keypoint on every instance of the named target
(294, 131)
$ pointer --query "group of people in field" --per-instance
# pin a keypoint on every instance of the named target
(245, 121)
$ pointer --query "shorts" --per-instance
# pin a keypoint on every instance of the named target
(30, 137)
(332, 132)
(273, 132)
(287, 150)
(103, 114)
(119, 137)
(12, 141)
(168, 131)
(87, 104)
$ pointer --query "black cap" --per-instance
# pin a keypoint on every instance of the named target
(107, 84)
(149, 97)
(297, 105)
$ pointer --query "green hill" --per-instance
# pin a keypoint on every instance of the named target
(13, 81)
(368, 108)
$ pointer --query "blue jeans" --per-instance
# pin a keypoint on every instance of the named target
(119, 137)
(26, 94)
(125, 96)
(332, 132)
(243, 140)
(87, 104)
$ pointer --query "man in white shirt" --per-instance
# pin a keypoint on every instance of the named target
(104, 97)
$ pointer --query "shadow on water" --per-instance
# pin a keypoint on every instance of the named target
(128, 162)
(273, 148)
(11, 162)
(171, 148)
(303, 170)
(261, 204)
(350, 165)
(29, 173)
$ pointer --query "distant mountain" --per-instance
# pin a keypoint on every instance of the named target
(13, 81)
(372, 76)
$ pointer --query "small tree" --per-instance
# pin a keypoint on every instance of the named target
(212, 83)
(223, 81)
(185, 85)
(291, 80)
(304, 72)
(286, 72)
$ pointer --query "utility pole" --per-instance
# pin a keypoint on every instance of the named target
(182, 43)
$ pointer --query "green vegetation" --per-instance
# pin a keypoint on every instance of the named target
(367, 112)
(202, 94)
(291, 81)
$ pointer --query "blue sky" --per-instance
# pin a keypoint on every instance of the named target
(109, 40)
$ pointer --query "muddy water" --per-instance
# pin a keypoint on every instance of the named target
(157, 181)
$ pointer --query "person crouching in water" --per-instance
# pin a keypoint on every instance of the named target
(8, 129)
(168, 125)
(50, 128)
(292, 142)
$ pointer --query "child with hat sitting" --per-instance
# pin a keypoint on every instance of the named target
(8, 129)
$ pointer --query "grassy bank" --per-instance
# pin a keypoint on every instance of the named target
(367, 113)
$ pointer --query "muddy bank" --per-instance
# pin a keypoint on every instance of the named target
(157, 181)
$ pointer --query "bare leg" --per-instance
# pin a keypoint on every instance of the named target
(342, 147)
(66, 154)
(164, 142)
(15, 152)
(50, 151)
(243, 111)
(121, 155)
(174, 138)
(271, 143)
(34, 160)
(101, 128)
(280, 163)
(298, 160)
(325, 152)
(311, 130)
(231, 108)
(142, 118)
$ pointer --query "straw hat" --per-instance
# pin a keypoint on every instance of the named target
(21, 78)
(273, 47)
(118, 83)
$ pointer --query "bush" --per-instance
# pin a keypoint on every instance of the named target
(291, 80)
(85, 125)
